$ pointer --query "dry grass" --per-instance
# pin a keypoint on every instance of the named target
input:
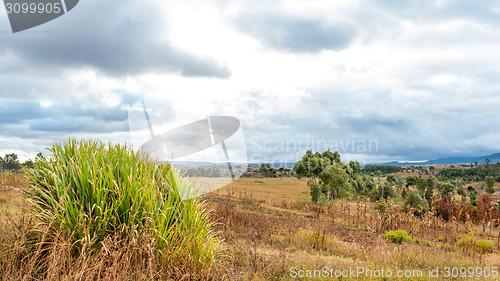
(265, 234)
(269, 190)
(263, 241)
(12, 180)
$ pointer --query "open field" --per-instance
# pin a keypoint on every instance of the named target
(264, 240)
(269, 189)
(270, 232)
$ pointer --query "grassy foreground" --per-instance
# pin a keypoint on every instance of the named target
(268, 237)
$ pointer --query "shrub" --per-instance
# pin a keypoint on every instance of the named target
(469, 243)
(384, 206)
(484, 246)
(416, 202)
(490, 186)
(315, 193)
(446, 207)
(398, 236)
(382, 192)
(87, 192)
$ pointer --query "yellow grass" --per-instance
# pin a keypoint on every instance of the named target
(287, 190)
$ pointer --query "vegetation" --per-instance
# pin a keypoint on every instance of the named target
(265, 238)
(469, 174)
(267, 226)
(384, 169)
(490, 186)
(96, 212)
(472, 244)
(10, 162)
(398, 236)
(329, 176)
(89, 200)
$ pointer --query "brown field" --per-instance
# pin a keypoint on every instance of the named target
(268, 228)
(269, 189)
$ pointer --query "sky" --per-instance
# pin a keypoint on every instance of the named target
(376, 80)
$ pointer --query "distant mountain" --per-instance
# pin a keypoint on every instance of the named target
(494, 158)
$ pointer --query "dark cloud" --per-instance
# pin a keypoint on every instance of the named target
(70, 124)
(117, 39)
(65, 116)
(293, 33)
(15, 111)
(373, 124)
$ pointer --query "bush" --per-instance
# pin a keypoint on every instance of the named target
(446, 208)
(484, 246)
(490, 186)
(315, 193)
(469, 243)
(416, 202)
(398, 236)
(87, 193)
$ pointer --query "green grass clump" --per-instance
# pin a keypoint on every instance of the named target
(86, 192)
(398, 236)
(470, 243)
(484, 246)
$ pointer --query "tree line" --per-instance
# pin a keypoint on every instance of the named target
(331, 178)
(10, 162)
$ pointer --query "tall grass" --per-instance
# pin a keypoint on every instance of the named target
(11, 180)
(87, 194)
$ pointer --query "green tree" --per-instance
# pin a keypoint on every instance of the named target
(490, 186)
(411, 180)
(355, 168)
(421, 184)
(382, 191)
(327, 171)
(415, 201)
(446, 189)
(391, 178)
(430, 182)
(310, 167)
(266, 169)
(335, 181)
(11, 162)
(315, 193)
(29, 164)
(429, 193)
(462, 193)
(473, 196)
(404, 193)
(370, 184)
(360, 186)
(334, 157)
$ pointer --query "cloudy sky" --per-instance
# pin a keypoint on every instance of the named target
(376, 80)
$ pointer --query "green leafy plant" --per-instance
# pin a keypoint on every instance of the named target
(85, 192)
(470, 243)
(398, 236)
